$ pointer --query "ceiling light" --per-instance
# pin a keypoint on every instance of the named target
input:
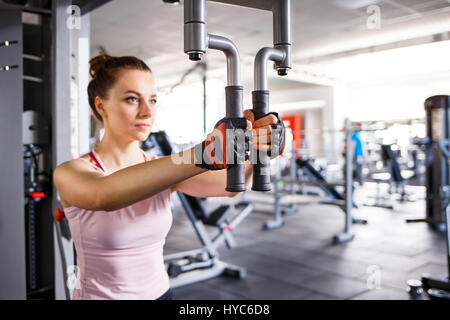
(353, 4)
(172, 2)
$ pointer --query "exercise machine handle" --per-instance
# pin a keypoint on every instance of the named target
(261, 169)
(236, 170)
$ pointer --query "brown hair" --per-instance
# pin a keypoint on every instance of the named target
(104, 70)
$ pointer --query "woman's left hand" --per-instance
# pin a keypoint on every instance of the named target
(268, 133)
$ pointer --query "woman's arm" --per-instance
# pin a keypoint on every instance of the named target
(90, 190)
(211, 183)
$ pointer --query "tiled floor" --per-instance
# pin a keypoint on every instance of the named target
(299, 261)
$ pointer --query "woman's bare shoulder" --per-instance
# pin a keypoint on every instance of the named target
(81, 164)
(73, 172)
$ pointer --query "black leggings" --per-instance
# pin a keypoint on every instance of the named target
(168, 295)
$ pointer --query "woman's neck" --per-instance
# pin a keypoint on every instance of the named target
(117, 153)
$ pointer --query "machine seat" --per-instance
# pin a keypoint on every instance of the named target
(217, 216)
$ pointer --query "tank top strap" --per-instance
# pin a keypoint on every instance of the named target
(97, 162)
(147, 158)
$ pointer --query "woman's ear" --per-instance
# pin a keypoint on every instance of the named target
(99, 106)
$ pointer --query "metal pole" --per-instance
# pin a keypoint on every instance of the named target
(195, 41)
(348, 176)
(293, 168)
(347, 235)
(277, 222)
(63, 258)
(447, 231)
(60, 108)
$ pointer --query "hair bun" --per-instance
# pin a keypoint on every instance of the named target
(97, 62)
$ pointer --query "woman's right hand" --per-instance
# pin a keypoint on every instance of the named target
(228, 144)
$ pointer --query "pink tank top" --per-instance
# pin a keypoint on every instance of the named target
(120, 253)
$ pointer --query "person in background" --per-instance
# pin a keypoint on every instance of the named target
(358, 152)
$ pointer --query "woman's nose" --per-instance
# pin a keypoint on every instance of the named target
(147, 109)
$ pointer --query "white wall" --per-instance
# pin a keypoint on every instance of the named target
(317, 119)
(394, 100)
(180, 113)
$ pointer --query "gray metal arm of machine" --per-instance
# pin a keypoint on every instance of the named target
(232, 54)
(196, 42)
(281, 55)
(260, 66)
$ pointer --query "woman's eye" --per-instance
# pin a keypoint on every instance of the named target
(153, 101)
(132, 99)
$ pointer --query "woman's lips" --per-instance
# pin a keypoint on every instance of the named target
(143, 126)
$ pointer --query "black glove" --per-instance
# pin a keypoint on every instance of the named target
(269, 132)
(228, 144)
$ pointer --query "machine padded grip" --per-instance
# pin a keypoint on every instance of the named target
(235, 172)
(261, 170)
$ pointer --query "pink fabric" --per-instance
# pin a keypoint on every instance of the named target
(120, 253)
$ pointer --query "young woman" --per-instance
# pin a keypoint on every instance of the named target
(117, 199)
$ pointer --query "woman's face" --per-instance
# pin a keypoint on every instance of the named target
(130, 109)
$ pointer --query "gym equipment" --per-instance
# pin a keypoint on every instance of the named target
(282, 204)
(415, 288)
(380, 200)
(437, 169)
(201, 264)
(30, 5)
(63, 231)
(399, 177)
(437, 163)
(280, 55)
(88, 5)
(223, 140)
(196, 42)
(347, 235)
(348, 203)
(396, 178)
(344, 202)
(27, 250)
(36, 187)
(436, 288)
(314, 177)
(440, 288)
(15, 1)
(33, 194)
(430, 282)
(302, 172)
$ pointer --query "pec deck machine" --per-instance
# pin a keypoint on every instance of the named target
(196, 43)
(188, 267)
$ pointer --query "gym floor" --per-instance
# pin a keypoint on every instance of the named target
(299, 260)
